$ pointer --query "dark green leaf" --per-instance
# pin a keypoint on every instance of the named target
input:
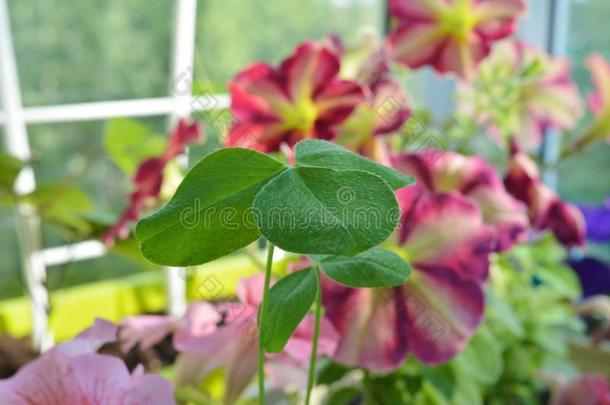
(372, 268)
(315, 210)
(330, 372)
(344, 396)
(210, 215)
(9, 169)
(319, 153)
(128, 143)
(289, 301)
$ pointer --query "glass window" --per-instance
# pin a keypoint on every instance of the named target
(575, 180)
(232, 34)
(89, 50)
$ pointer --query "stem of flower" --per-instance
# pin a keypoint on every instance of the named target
(261, 317)
(314, 344)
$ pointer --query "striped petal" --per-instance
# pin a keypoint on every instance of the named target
(433, 315)
(371, 323)
(444, 311)
(546, 210)
(308, 70)
(447, 171)
(599, 100)
(416, 45)
(424, 235)
(497, 17)
(419, 10)
(506, 215)
(257, 94)
(337, 101)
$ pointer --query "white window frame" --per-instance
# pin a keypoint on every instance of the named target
(178, 104)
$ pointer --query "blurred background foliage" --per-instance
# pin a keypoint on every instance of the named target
(85, 51)
(82, 51)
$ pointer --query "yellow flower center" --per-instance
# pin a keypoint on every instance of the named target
(458, 20)
(302, 117)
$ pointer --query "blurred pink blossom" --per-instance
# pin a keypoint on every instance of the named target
(302, 98)
(450, 35)
(73, 373)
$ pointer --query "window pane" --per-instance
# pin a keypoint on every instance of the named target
(593, 16)
(577, 179)
(234, 33)
(89, 50)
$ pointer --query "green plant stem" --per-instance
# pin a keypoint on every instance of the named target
(261, 319)
(314, 344)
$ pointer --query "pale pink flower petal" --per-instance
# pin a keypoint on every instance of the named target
(145, 330)
(58, 379)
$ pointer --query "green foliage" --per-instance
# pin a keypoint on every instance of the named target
(530, 318)
(9, 170)
(289, 301)
(63, 204)
(315, 210)
(482, 358)
(372, 268)
(129, 142)
(318, 153)
(210, 215)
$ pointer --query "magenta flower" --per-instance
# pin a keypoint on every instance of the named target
(385, 108)
(520, 92)
(302, 98)
(435, 314)
(73, 373)
(476, 180)
(226, 336)
(590, 389)
(148, 180)
(450, 35)
(546, 209)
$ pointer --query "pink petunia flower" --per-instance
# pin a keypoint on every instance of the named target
(226, 336)
(520, 92)
(546, 209)
(148, 180)
(476, 180)
(73, 373)
(302, 98)
(435, 314)
(386, 107)
(450, 35)
(591, 389)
